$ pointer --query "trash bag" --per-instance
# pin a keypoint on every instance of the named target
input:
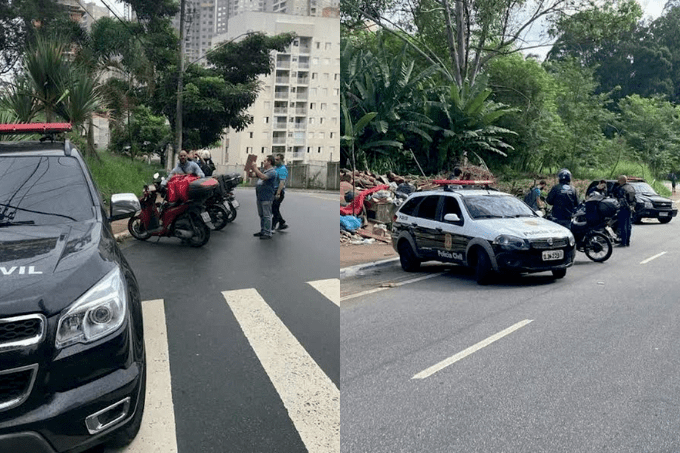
(350, 222)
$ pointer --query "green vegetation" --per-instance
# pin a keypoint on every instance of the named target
(116, 174)
(438, 80)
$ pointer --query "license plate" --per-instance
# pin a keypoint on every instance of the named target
(664, 214)
(205, 216)
(235, 204)
(226, 205)
(550, 255)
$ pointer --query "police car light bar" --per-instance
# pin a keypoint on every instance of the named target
(33, 128)
(446, 182)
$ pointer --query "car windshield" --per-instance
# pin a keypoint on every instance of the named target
(643, 188)
(42, 190)
(494, 206)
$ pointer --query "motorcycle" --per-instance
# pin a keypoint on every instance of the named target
(591, 228)
(184, 217)
(222, 205)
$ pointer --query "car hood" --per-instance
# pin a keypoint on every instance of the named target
(653, 198)
(526, 227)
(46, 268)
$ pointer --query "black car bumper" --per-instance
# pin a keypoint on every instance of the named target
(79, 416)
(532, 261)
(59, 425)
(655, 213)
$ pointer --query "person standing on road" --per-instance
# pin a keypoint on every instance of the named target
(563, 198)
(265, 189)
(282, 173)
(625, 193)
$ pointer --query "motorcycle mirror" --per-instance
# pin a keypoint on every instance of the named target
(155, 176)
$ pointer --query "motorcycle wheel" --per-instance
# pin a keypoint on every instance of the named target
(232, 213)
(218, 216)
(201, 234)
(598, 247)
(137, 230)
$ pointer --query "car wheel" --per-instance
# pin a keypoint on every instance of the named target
(665, 219)
(483, 271)
(559, 273)
(407, 257)
(125, 436)
(137, 230)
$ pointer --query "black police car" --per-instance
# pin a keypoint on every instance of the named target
(72, 361)
(648, 203)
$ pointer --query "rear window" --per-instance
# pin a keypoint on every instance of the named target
(43, 190)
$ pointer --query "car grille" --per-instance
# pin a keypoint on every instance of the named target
(545, 244)
(662, 204)
(21, 331)
(16, 385)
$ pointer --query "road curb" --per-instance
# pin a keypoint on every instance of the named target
(120, 237)
(351, 271)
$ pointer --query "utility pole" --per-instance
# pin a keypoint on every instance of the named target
(180, 85)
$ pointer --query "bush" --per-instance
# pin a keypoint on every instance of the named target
(118, 174)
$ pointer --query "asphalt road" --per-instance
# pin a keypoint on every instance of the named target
(229, 308)
(583, 364)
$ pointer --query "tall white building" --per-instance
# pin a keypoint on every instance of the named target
(298, 111)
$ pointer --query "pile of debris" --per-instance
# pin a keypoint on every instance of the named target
(382, 195)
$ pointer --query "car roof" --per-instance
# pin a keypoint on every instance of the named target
(462, 192)
(35, 147)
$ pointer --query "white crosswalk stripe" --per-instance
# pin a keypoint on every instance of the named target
(310, 397)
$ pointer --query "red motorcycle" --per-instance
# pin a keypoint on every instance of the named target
(181, 214)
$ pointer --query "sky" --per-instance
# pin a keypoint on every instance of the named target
(650, 8)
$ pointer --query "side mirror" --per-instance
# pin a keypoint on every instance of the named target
(124, 205)
(452, 218)
(156, 175)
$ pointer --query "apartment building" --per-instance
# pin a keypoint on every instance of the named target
(298, 111)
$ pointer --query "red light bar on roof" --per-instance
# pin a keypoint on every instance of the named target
(446, 182)
(35, 128)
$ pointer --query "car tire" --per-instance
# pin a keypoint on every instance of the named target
(483, 270)
(665, 219)
(407, 257)
(559, 273)
(125, 436)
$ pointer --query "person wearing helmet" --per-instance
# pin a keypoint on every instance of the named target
(625, 193)
(563, 199)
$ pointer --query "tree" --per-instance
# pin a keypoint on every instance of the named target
(475, 31)
(218, 97)
(145, 133)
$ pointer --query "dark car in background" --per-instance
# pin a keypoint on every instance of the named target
(72, 357)
(648, 203)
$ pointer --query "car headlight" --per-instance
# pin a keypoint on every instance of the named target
(572, 240)
(648, 204)
(98, 312)
(512, 242)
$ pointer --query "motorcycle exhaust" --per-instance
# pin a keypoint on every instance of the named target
(184, 234)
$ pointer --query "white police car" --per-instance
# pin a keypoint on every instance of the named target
(471, 224)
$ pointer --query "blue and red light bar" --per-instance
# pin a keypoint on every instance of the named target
(469, 182)
(35, 128)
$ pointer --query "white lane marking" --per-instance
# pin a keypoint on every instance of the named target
(652, 258)
(157, 434)
(472, 349)
(391, 285)
(329, 288)
(311, 398)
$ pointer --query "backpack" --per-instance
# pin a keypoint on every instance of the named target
(530, 198)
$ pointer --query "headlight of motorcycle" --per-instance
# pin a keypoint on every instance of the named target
(512, 242)
(98, 312)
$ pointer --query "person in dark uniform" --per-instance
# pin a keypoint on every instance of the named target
(625, 193)
(563, 198)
